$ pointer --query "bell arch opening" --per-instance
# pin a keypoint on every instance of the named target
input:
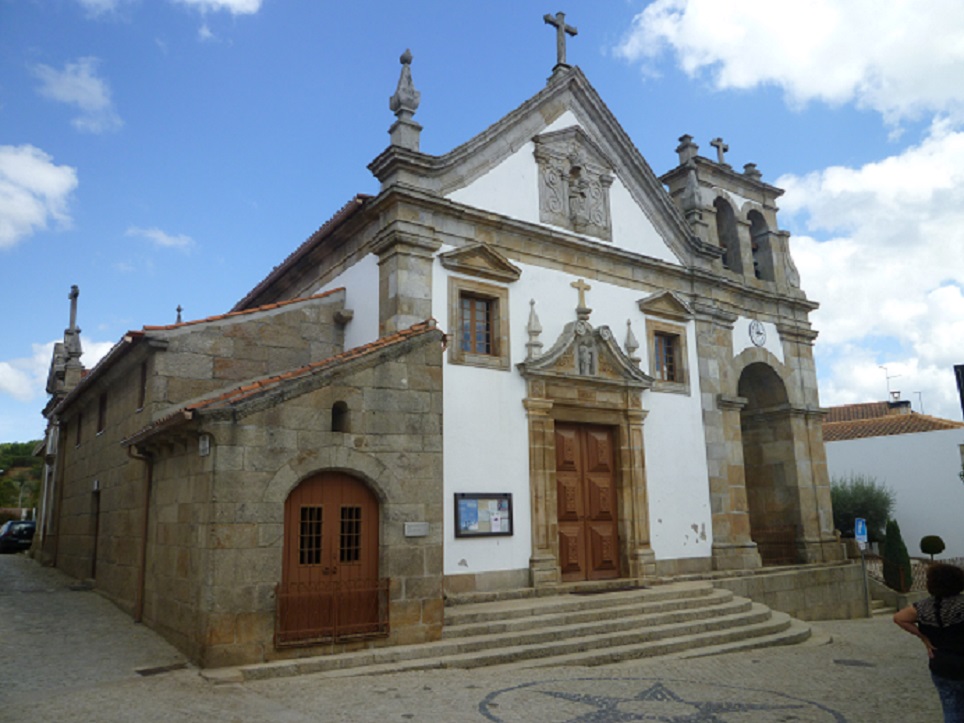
(770, 466)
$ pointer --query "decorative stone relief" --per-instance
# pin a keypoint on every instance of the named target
(574, 182)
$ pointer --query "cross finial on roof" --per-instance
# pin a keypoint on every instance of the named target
(721, 148)
(559, 23)
(74, 293)
(583, 287)
(179, 310)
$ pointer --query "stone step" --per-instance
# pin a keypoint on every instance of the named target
(526, 631)
(605, 620)
(466, 612)
(879, 607)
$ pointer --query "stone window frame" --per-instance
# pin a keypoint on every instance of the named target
(499, 297)
(681, 385)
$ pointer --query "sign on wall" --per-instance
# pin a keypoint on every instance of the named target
(486, 514)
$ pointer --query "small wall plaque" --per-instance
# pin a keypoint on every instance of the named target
(416, 529)
(483, 514)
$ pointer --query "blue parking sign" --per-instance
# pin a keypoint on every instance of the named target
(860, 530)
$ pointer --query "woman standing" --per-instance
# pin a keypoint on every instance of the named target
(939, 622)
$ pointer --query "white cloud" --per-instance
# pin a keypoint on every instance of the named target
(836, 51)
(161, 238)
(235, 7)
(33, 192)
(25, 378)
(79, 85)
(96, 8)
(889, 272)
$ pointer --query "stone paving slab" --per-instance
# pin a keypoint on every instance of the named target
(73, 656)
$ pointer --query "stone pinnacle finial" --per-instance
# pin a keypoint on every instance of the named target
(631, 344)
(179, 310)
(534, 329)
(405, 131)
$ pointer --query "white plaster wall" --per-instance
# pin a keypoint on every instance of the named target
(486, 431)
(361, 296)
(512, 189)
(923, 470)
(742, 342)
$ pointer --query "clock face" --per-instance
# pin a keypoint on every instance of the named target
(758, 334)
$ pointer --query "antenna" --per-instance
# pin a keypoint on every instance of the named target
(889, 377)
(920, 401)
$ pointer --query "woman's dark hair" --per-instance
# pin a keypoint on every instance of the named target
(944, 580)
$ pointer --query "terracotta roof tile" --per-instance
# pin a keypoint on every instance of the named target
(879, 419)
(233, 396)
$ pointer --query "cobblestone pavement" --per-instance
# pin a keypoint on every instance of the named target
(71, 655)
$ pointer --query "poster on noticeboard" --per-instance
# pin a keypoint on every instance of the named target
(485, 514)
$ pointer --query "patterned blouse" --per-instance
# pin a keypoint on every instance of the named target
(942, 621)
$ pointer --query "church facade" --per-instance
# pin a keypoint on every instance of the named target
(572, 370)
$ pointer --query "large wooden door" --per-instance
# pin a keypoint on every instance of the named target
(329, 582)
(586, 502)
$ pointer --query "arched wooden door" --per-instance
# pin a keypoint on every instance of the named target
(330, 586)
(586, 502)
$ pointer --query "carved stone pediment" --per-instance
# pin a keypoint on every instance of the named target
(482, 261)
(584, 353)
(667, 305)
(574, 181)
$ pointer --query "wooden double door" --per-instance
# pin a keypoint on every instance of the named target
(586, 502)
(330, 586)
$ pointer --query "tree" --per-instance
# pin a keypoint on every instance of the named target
(932, 545)
(20, 474)
(897, 571)
(861, 496)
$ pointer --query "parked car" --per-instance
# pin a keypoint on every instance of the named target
(17, 535)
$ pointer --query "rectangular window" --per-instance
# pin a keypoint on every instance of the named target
(666, 357)
(309, 536)
(102, 413)
(142, 391)
(475, 324)
(350, 547)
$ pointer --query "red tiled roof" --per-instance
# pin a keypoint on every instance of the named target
(879, 419)
(340, 216)
(255, 387)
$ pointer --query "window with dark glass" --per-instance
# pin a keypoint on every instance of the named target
(666, 356)
(309, 536)
(476, 324)
(350, 534)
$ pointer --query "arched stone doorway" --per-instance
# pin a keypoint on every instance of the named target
(770, 465)
(330, 587)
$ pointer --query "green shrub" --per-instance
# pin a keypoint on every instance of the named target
(897, 571)
(932, 545)
(861, 496)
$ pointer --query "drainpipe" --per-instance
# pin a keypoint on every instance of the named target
(142, 565)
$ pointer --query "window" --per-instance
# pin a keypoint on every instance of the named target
(728, 236)
(478, 319)
(142, 392)
(475, 324)
(339, 417)
(102, 413)
(80, 424)
(666, 366)
(309, 535)
(666, 348)
(350, 544)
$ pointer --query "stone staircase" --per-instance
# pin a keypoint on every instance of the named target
(589, 626)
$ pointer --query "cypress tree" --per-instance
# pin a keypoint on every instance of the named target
(897, 571)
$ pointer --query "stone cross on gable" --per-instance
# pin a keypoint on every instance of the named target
(721, 148)
(583, 287)
(559, 23)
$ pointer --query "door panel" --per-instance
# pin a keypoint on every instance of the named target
(586, 502)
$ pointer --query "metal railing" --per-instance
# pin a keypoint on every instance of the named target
(308, 613)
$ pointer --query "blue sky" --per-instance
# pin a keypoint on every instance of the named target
(173, 151)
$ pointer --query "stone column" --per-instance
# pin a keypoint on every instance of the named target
(642, 559)
(544, 562)
(404, 280)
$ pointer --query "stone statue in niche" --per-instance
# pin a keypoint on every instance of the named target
(587, 360)
(574, 181)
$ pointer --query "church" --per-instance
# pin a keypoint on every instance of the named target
(527, 363)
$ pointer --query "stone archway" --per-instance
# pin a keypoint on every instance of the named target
(770, 465)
